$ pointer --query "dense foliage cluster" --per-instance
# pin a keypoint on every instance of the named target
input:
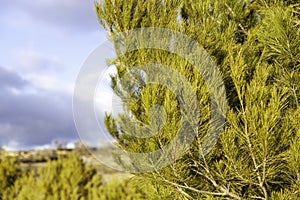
(70, 179)
(256, 46)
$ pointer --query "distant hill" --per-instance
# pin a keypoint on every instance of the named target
(38, 158)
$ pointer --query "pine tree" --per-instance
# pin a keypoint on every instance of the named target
(9, 173)
(132, 188)
(67, 178)
(256, 47)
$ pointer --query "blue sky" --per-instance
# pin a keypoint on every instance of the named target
(43, 44)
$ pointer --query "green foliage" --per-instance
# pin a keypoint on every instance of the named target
(136, 189)
(256, 46)
(67, 178)
(9, 173)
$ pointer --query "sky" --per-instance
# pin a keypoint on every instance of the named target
(43, 44)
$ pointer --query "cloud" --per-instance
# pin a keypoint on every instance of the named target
(50, 83)
(44, 71)
(44, 42)
(74, 14)
(32, 119)
(10, 79)
(32, 60)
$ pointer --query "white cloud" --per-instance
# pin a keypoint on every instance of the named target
(44, 72)
(50, 83)
(32, 60)
(104, 94)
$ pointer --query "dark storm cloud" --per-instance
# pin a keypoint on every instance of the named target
(10, 79)
(78, 14)
(32, 118)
